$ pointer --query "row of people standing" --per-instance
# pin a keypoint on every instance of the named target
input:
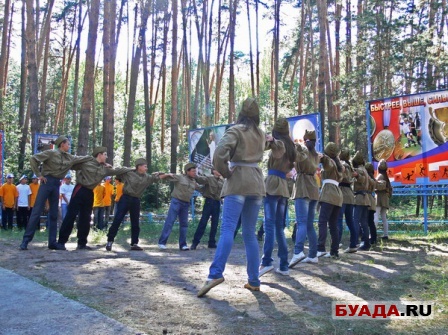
(237, 156)
(19, 198)
(51, 166)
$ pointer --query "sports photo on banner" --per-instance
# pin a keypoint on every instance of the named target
(43, 142)
(411, 133)
(202, 144)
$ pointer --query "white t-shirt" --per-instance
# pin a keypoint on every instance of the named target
(406, 128)
(67, 190)
(24, 191)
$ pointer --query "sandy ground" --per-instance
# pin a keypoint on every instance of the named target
(154, 291)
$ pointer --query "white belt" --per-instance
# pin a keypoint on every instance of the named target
(233, 164)
(330, 181)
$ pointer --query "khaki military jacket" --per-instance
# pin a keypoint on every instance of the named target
(212, 186)
(346, 185)
(382, 193)
(371, 193)
(330, 192)
(306, 166)
(276, 185)
(245, 147)
(360, 187)
(135, 183)
(89, 174)
(55, 163)
(184, 186)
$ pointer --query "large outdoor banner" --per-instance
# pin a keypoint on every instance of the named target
(203, 141)
(298, 125)
(411, 133)
(43, 142)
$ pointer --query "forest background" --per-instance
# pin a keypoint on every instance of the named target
(136, 76)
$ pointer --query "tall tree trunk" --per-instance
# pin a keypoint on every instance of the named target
(348, 37)
(313, 67)
(33, 100)
(166, 23)
(323, 59)
(276, 55)
(77, 63)
(257, 66)
(8, 49)
(109, 43)
(301, 62)
(148, 106)
(89, 79)
(23, 111)
(45, 28)
(174, 77)
(430, 83)
(3, 53)
(233, 5)
(335, 77)
(43, 85)
(251, 60)
(133, 86)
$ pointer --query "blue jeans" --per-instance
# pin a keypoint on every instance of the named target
(211, 208)
(274, 225)
(47, 191)
(305, 210)
(98, 217)
(234, 206)
(347, 210)
(178, 208)
(64, 208)
(361, 222)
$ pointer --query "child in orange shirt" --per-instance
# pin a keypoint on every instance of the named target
(8, 196)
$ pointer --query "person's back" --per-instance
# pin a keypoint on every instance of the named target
(236, 158)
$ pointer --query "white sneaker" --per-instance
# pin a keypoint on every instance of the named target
(310, 260)
(283, 273)
(323, 254)
(264, 269)
(162, 247)
(296, 259)
(184, 248)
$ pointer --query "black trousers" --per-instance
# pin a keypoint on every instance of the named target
(328, 214)
(372, 227)
(7, 217)
(22, 217)
(81, 204)
(126, 204)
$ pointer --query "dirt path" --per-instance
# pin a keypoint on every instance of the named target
(155, 291)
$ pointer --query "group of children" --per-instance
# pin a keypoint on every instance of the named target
(238, 184)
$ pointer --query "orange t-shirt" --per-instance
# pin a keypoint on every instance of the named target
(118, 190)
(108, 191)
(9, 193)
(34, 188)
(98, 195)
